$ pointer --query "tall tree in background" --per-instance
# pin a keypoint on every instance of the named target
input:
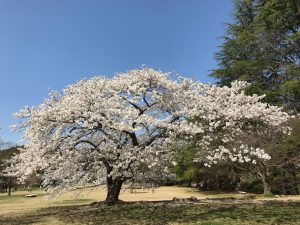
(262, 46)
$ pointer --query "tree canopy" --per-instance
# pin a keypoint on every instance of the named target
(125, 128)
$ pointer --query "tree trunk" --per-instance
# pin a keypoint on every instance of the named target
(113, 190)
(9, 190)
(266, 185)
(295, 190)
(204, 186)
(217, 183)
(237, 184)
(265, 178)
(9, 186)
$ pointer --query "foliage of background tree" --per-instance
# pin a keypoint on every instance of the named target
(6, 182)
(262, 46)
(220, 177)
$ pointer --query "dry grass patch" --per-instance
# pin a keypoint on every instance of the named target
(219, 209)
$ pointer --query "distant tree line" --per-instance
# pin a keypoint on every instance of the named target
(4, 145)
(10, 183)
(7, 182)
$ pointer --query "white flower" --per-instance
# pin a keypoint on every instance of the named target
(139, 116)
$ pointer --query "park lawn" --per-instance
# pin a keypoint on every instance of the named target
(162, 213)
(66, 209)
(19, 203)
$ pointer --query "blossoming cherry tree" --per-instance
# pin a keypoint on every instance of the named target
(114, 130)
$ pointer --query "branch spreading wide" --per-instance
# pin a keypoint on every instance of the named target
(129, 127)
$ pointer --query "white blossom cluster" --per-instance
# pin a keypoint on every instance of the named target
(124, 127)
(243, 154)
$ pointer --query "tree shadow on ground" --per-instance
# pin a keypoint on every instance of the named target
(168, 213)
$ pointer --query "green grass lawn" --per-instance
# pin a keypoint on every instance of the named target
(224, 209)
(162, 213)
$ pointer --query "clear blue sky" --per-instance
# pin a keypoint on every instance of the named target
(54, 43)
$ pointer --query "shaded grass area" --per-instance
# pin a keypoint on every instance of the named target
(73, 201)
(163, 213)
(13, 198)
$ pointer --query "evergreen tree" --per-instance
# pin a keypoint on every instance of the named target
(262, 46)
